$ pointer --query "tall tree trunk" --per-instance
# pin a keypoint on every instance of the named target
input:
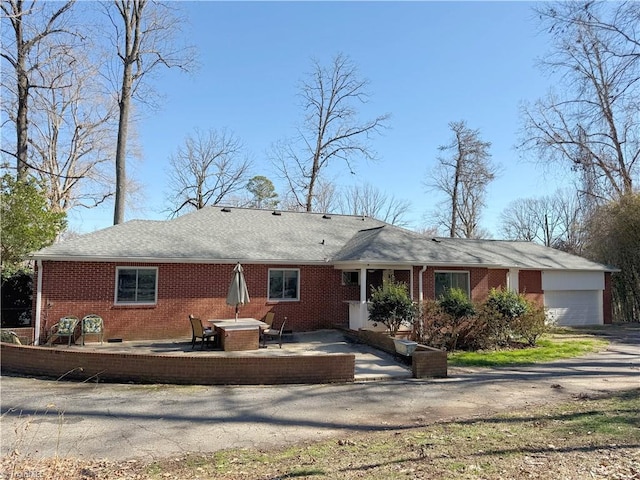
(23, 97)
(121, 147)
(456, 186)
(22, 139)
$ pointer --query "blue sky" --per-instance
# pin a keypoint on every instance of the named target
(428, 63)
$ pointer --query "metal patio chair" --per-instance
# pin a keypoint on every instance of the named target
(92, 325)
(66, 327)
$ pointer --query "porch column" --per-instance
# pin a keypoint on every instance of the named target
(364, 314)
(411, 283)
(513, 283)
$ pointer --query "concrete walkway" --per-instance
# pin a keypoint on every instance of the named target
(114, 421)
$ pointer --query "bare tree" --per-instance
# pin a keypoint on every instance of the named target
(463, 176)
(32, 24)
(554, 221)
(592, 123)
(370, 201)
(331, 130)
(145, 36)
(72, 133)
(209, 167)
(615, 240)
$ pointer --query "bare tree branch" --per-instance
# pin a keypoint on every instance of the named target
(206, 170)
(145, 38)
(463, 177)
(593, 123)
(30, 27)
(330, 130)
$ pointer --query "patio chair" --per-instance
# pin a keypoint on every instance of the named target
(66, 327)
(198, 331)
(273, 333)
(92, 325)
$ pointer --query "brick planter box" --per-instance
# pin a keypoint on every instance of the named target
(429, 362)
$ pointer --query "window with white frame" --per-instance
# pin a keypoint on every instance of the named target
(350, 277)
(284, 284)
(445, 281)
(136, 285)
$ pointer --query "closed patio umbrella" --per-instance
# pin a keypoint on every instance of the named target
(238, 293)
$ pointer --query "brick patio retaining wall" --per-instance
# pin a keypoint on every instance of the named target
(182, 369)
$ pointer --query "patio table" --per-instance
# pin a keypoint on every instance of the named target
(240, 334)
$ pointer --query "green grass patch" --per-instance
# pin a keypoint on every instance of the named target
(546, 350)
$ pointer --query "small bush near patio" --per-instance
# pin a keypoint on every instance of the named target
(392, 306)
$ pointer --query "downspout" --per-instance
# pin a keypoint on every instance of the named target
(36, 333)
(420, 285)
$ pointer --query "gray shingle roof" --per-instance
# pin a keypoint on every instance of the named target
(217, 235)
(394, 245)
(524, 255)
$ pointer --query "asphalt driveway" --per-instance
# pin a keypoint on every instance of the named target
(116, 421)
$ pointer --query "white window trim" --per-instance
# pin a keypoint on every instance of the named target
(137, 267)
(272, 300)
(456, 271)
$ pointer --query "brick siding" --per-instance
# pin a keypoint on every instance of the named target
(481, 280)
(607, 305)
(80, 288)
(530, 282)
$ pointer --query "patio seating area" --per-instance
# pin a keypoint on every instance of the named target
(370, 363)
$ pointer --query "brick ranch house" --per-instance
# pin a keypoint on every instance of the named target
(145, 277)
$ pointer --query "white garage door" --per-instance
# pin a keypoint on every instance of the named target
(574, 307)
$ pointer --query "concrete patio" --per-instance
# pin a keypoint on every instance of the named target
(371, 364)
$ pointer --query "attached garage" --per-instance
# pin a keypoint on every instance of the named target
(574, 298)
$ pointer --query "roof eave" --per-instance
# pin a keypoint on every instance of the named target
(145, 259)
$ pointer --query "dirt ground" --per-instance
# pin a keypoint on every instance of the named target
(447, 428)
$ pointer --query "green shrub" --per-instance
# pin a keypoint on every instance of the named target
(507, 302)
(456, 303)
(392, 306)
(531, 325)
(437, 328)
(505, 319)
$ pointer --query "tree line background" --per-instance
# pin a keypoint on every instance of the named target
(76, 75)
